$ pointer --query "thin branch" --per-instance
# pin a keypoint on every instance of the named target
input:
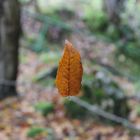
(100, 112)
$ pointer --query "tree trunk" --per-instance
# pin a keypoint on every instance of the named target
(113, 8)
(9, 44)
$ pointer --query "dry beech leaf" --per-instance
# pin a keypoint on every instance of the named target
(69, 73)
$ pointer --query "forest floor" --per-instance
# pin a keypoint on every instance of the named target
(18, 115)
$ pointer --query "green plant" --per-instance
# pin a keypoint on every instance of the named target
(34, 131)
(138, 109)
(97, 22)
(112, 33)
(44, 107)
(73, 110)
(130, 49)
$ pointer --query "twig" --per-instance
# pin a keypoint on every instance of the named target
(95, 109)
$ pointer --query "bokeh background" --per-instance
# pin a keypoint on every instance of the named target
(107, 35)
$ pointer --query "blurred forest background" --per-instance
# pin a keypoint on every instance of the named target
(107, 35)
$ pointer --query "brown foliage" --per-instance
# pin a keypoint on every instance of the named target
(69, 74)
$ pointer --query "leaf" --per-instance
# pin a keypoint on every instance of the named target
(70, 71)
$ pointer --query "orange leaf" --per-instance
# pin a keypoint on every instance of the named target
(69, 73)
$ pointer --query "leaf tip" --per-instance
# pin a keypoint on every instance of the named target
(67, 42)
